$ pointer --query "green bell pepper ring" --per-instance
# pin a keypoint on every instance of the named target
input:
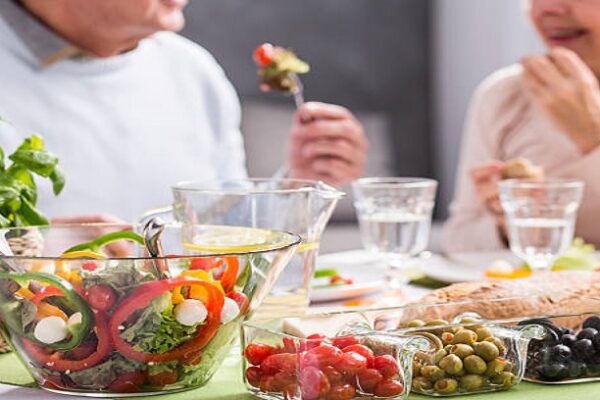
(78, 331)
(98, 243)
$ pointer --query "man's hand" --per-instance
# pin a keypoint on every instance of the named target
(567, 91)
(326, 143)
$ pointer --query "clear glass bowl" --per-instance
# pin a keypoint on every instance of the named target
(340, 359)
(106, 320)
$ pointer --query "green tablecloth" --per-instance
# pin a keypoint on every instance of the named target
(227, 384)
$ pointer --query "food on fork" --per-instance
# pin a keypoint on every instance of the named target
(279, 68)
(522, 168)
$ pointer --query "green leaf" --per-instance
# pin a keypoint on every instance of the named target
(8, 194)
(39, 162)
(21, 174)
(4, 222)
(35, 142)
(2, 166)
(58, 180)
(31, 214)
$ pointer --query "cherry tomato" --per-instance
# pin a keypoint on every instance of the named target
(256, 352)
(101, 297)
(290, 392)
(333, 375)
(280, 363)
(341, 392)
(129, 382)
(89, 266)
(313, 383)
(253, 375)
(386, 364)
(263, 55)
(368, 379)
(321, 356)
(289, 346)
(344, 341)
(281, 380)
(363, 351)
(314, 340)
(84, 350)
(266, 383)
(388, 388)
(241, 299)
(350, 363)
(162, 378)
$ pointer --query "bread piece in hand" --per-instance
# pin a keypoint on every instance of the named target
(522, 168)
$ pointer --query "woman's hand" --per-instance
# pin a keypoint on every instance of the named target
(326, 143)
(563, 86)
(485, 178)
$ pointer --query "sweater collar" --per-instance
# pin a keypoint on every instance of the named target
(46, 45)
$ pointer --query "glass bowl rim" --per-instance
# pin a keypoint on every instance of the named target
(293, 239)
(547, 183)
(392, 183)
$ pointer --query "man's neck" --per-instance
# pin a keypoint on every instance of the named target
(86, 32)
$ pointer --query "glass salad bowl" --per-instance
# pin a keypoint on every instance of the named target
(89, 312)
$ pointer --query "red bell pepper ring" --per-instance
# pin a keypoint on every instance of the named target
(143, 295)
(55, 362)
(47, 291)
(230, 273)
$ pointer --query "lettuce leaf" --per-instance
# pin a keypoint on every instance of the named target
(580, 256)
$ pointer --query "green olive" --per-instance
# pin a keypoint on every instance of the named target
(417, 323)
(452, 364)
(431, 336)
(495, 367)
(464, 336)
(506, 379)
(475, 365)
(435, 322)
(483, 333)
(462, 350)
(508, 366)
(438, 355)
(486, 350)
(416, 368)
(421, 384)
(433, 373)
(447, 337)
(499, 344)
(460, 373)
(423, 357)
(446, 386)
(472, 382)
(471, 323)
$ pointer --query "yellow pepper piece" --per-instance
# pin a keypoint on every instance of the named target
(84, 254)
(63, 270)
(48, 310)
(198, 292)
(25, 293)
(516, 273)
(177, 297)
(74, 278)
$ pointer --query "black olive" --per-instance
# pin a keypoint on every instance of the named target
(592, 322)
(555, 372)
(587, 333)
(568, 340)
(560, 353)
(583, 349)
(596, 342)
(576, 369)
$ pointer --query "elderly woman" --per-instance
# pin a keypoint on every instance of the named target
(545, 109)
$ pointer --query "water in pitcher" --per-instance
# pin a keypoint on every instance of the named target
(287, 298)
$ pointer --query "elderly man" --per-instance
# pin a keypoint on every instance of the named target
(132, 108)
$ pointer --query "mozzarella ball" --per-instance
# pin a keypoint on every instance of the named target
(190, 312)
(75, 319)
(51, 330)
(230, 310)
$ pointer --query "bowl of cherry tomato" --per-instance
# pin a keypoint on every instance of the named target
(89, 312)
(343, 361)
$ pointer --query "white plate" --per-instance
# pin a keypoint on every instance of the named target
(462, 267)
(364, 268)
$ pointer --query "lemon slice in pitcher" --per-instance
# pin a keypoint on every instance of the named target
(233, 239)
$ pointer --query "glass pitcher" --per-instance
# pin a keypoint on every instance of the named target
(299, 206)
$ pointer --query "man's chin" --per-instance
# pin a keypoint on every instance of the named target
(173, 23)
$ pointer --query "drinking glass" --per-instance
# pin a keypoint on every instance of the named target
(394, 215)
(540, 218)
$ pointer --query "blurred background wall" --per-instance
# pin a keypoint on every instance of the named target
(406, 67)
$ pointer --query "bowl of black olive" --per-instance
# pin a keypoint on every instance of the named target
(565, 355)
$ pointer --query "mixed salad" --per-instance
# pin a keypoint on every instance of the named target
(92, 324)
(279, 68)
